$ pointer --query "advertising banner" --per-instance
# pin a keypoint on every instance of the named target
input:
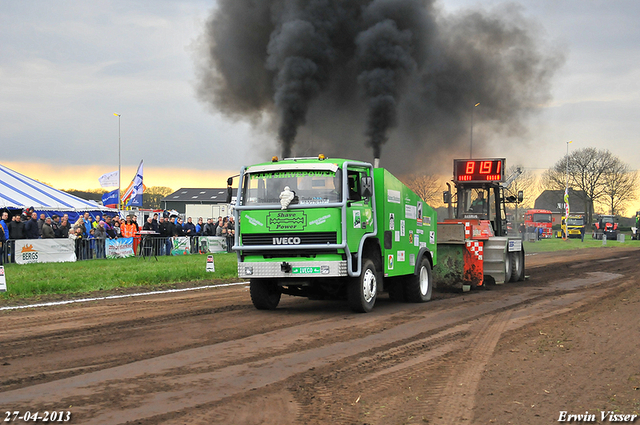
(3, 282)
(181, 245)
(120, 248)
(213, 244)
(44, 251)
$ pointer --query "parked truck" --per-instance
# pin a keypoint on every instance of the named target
(574, 227)
(332, 228)
(539, 221)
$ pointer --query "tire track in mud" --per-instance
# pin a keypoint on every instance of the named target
(439, 382)
(457, 397)
(406, 363)
(172, 382)
(382, 370)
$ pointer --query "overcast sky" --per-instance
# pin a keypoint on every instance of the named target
(67, 66)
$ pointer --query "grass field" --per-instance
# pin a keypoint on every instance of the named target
(32, 280)
(82, 277)
(558, 244)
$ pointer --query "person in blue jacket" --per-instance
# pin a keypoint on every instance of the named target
(4, 236)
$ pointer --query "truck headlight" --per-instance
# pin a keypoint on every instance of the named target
(248, 271)
(325, 269)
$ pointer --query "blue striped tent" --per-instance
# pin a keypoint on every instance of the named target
(18, 192)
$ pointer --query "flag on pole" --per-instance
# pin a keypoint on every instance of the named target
(109, 179)
(110, 200)
(566, 205)
(132, 196)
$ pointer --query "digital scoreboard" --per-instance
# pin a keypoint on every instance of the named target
(478, 170)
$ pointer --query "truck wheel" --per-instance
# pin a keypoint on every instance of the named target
(508, 271)
(363, 290)
(517, 266)
(418, 287)
(265, 294)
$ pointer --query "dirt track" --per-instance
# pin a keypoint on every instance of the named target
(565, 339)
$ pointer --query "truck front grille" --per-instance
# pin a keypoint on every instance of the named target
(277, 239)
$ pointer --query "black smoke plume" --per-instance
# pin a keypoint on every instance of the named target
(336, 75)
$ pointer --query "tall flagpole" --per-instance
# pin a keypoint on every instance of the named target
(566, 198)
(119, 163)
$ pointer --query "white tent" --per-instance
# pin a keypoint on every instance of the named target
(19, 192)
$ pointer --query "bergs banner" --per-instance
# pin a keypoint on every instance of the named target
(44, 251)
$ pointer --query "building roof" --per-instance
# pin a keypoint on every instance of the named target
(553, 200)
(199, 195)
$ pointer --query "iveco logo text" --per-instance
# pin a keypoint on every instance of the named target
(286, 241)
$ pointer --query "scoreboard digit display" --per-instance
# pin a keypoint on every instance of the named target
(478, 170)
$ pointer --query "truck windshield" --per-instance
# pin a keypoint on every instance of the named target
(473, 201)
(309, 186)
(542, 218)
(576, 221)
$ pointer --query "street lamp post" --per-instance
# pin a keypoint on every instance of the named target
(119, 160)
(471, 139)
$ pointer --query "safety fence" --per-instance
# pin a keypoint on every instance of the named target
(26, 251)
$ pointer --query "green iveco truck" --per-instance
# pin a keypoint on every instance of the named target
(329, 229)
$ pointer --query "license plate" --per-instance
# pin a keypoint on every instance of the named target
(305, 270)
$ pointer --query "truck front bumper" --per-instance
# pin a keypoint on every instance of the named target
(292, 269)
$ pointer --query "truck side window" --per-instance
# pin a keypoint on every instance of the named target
(353, 180)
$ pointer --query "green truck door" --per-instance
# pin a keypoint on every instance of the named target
(359, 213)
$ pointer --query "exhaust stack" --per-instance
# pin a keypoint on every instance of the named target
(376, 162)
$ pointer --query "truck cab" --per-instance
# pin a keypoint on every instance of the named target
(574, 227)
(539, 221)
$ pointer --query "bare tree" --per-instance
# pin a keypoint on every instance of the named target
(588, 170)
(427, 187)
(620, 187)
(153, 195)
(527, 182)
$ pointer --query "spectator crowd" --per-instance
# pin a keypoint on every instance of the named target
(90, 232)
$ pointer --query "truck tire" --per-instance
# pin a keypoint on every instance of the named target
(508, 271)
(418, 287)
(265, 293)
(363, 290)
(517, 266)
